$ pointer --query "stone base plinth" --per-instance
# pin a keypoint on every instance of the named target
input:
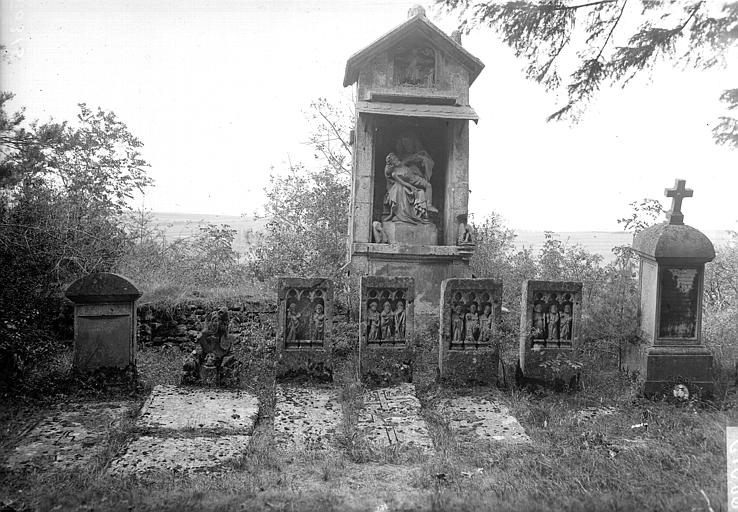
(411, 234)
(471, 366)
(305, 364)
(668, 366)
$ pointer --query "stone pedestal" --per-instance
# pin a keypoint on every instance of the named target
(411, 234)
(469, 341)
(670, 353)
(104, 321)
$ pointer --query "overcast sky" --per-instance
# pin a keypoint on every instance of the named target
(217, 91)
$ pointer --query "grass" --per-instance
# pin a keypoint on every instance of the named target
(600, 464)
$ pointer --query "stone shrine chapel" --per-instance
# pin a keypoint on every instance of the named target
(410, 183)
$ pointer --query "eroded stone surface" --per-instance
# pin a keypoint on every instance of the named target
(69, 438)
(391, 416)
(482, 418)
(306, 418)
(172, 408)
(593, 413)
(147, 454)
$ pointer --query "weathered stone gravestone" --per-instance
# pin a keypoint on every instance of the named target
(670, 357)
(212, 363)
(469, 351)
(550, 321)
(304, 327)
(386, 324)
(104, 321)
(411, 158)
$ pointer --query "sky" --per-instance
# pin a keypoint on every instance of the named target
(218, 92)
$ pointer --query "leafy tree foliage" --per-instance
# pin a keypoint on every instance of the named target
(609, 42)
(308, 208)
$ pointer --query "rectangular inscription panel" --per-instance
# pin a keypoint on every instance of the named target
(679, 302)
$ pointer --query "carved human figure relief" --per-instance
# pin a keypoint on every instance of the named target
(317, 323)
(379, 236)
(565, 321)
(386, 321)
(552, 322)
(373, 319)
(457, 323)
(539, 321)
(472, 323)
(293, 322)
(486, 326)
(400, 316)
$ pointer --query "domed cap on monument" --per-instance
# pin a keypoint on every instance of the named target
(674, 240)
(102, 287)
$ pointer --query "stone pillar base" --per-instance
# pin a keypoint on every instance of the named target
(668, 366)
(411, 234)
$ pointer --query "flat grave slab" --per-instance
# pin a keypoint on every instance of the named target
(69, 438)
(482, 418)
(184, 454)
(391, 416)
(173, 408)
(306, 418)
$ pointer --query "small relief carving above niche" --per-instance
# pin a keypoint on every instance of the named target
(415, 66)
(473, 318)
(386, 316)
(304, 317)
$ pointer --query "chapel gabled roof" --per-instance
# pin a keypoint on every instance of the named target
(418, 23)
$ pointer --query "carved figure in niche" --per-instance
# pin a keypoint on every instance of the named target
(416, 67)
(387, 321)
(400, 321)
(552, 321)
(565, 322)
(472, 323)
(372, 320)
(408, 171)
(212, 362)
(378, 233)
(457, 323)
(293, 322)
(317, 323)
(486, 322)
(464, 236)
(539, 321)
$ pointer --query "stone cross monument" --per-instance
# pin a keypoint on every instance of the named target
(669, 357)
(410, 185)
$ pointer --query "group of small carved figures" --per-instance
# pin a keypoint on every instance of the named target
(552, 320)
(387, 325)
(469, 326)
(316, 323)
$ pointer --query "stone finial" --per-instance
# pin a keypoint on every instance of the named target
(677, 193)
(416, 10)
(456, 36)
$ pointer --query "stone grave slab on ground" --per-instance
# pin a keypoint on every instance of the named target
(69, 438)
(306, 418)
(391, 417)
(478, 418)
(148, 453)
(173, 408)
(193, 429)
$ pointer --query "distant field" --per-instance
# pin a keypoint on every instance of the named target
(183, 225)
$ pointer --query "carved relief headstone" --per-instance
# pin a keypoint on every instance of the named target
(550, 318)
(305, 320)
(469, 339)
(386, 328)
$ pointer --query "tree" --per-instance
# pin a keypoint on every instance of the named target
(609, 42)
(308, 208)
